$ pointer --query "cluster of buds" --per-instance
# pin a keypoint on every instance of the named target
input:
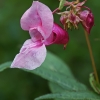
(74, 15)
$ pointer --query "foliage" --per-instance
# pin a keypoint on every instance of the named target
(61, 81)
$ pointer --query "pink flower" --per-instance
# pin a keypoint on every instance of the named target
(87, 20)
(38, 20)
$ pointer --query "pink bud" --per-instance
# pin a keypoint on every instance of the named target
(63, 19)
(87, 20)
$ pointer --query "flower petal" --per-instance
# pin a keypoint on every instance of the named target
(47, 19)
(35, 34)
(38, 15)
(30, 18)
(31, 56)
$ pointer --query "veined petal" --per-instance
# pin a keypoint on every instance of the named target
(58, 36)
(31, 56)
(38, 15)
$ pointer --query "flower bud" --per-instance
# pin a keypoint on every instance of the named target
(74, 19)
(87, 20)
(63, 19)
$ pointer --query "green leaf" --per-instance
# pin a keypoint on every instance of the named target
(64, 85)
(61, 4)
(62, 80)
(53, 69)
(70, 95)
(5, 66)
(54, 63)
(94, 84)
(55, 88)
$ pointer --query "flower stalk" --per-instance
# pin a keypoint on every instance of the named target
(56, 10)
(91, 56)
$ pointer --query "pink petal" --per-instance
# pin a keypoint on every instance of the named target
(38, 15)
(58, 36)
(31, 56)
(35, 33)
(30, 18)
(47, 19)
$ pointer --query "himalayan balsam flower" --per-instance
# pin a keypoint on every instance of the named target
(38, 20)
(87, 20)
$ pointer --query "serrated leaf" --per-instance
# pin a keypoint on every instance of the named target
(71, 96)
(62, 80)
(5, 66)
(54, 63)
(53, 69)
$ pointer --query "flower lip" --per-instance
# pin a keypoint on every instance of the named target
(30, 57)
(58, 36)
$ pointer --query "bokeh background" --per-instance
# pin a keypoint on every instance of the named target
(16, 84)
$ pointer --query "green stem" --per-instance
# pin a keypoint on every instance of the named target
(91, 56)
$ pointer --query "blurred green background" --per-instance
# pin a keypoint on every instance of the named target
(16, 84)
